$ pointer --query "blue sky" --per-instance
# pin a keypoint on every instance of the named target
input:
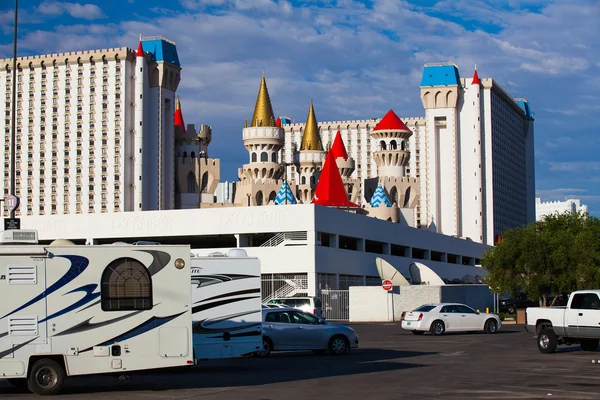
(356, 59)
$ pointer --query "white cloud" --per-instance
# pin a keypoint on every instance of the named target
(574, 166)
(75, 10)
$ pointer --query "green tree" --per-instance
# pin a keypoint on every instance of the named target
(558, 254)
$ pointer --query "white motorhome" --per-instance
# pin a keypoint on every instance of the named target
(226, 301)
(70, 310)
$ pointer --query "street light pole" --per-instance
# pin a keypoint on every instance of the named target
(14, 111)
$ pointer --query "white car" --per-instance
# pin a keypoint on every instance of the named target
(449, 317)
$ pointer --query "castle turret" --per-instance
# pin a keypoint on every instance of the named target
(259, 179)
(197, 176)
(392, 136)
(392, 154)
(140, 75)
(309, 159)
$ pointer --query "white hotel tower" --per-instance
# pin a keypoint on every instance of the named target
(87, 124)
(472, 152)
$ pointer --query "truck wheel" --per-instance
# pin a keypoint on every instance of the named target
(46, 377)
(547, 341)
(589, 344)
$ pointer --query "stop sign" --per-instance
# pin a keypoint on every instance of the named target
(387, 285)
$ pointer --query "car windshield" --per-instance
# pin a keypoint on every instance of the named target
(425, 308)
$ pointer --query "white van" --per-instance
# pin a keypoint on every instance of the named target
(309, 304)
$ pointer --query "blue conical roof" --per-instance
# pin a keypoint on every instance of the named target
(285, 195)
(379, 198)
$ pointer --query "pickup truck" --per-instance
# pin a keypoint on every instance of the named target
(577, 323)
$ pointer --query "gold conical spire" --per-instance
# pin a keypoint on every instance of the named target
(178, 104)
(263, 112)
(311, 140)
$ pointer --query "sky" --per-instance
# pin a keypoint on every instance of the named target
(356, 59)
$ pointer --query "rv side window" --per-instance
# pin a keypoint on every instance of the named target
(126, 285)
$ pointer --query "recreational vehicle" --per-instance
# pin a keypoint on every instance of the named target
(226, 301)
(70, 310)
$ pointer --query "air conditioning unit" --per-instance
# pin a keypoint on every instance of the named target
(18, 236)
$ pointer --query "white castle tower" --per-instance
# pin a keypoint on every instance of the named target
(138, 184)
(260, 178)
(472, 192)
(440, 88)
(309, 159)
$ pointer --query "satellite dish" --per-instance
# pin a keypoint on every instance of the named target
(62, 242)
(387, 271)
(424, 275)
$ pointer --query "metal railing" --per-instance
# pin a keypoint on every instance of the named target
(287, 239)
(283, 285)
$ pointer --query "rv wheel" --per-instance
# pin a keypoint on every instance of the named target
(47, 377)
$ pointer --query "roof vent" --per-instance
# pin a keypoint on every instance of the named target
(237, 253)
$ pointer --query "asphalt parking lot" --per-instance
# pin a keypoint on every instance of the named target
(391, 364)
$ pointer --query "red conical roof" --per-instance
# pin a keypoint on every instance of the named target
(475, 78)
(338, 149)
(140, 50)
(330, 191)
(178, 117)
(390, 122)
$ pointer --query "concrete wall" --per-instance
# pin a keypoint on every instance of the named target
(372, 303)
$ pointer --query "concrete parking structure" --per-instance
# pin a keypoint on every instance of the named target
(391, 363)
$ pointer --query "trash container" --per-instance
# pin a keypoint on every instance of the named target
(521, 316)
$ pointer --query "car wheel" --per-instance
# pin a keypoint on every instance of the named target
(511, 310)
(338, 345)
(266, 349)
(490, 326)
(47, 377)
(547, 341)
(589, 344)
(418, 332)
(19, 383)
(438, 328)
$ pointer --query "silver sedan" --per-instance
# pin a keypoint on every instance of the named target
(285, 329)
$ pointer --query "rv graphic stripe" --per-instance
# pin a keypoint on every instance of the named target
(200, 328)
(243, 334)
(208, 322)
(87, 325)
(90, 306)
(160, 259)
(147, 326)
(89, 296)
(15, 348)
(3, 334)
(78, 265)
(219, 303)
(248, 291)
